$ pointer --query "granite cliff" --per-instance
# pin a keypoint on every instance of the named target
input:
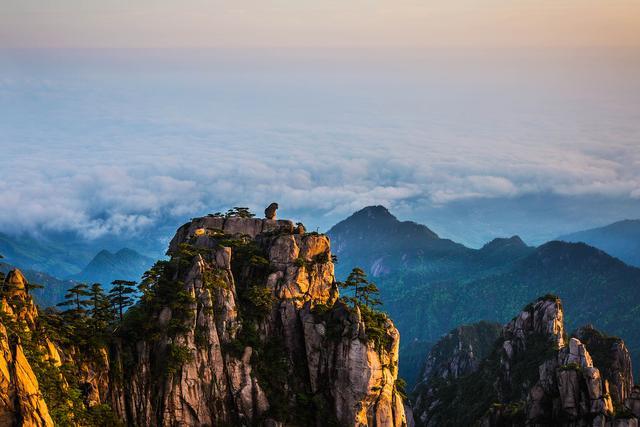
(242, 325)
(533, 374)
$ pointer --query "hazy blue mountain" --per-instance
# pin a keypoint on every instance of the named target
(105, 267)
(620, 239)
(54, 288)
(67, 254)
(56, 257)
(378, 242)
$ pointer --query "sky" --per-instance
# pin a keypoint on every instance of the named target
(327, 23)
(479, 119)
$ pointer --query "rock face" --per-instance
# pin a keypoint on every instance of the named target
(535, 375)
(21, 401)
(611, 356)
(243, 326)
(456, 355)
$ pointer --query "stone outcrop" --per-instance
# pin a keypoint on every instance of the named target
(456, 355)
(242, 326)
(535, 375)
(260, 337)
(21, 401)
(611, 356)
(270, 211)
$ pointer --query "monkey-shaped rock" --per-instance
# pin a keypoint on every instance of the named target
(270, 211)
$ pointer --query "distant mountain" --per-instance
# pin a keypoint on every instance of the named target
(431, 285)
(105, 267)
(378, 242)
(66, 254)
(620, 239)
(54, 288)
(600, 289)
(43, 254)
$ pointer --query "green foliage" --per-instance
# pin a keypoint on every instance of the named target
(261, 299)
(365, 297)
(215, 279)
(177, 356)
(122, 295)
(321, 258)
(401, 387)
(375, 323)
(239, 212)
(365, 293)
(76, 299)
(60, 385)
(573, 366)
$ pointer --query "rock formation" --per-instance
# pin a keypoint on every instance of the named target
(243, 325)
(456, 355)
(270, 211)
(261, 336)
(534, 375)
(21, 401)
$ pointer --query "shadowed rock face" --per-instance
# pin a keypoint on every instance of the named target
(456, 355)
(611, 356)
(535, 375)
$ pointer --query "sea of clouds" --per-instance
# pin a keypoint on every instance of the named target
(117, 143)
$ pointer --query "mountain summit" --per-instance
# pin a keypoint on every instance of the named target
(377, 241)
(125, 264)
(620, 239)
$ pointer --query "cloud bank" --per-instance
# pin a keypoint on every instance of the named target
(119, 152)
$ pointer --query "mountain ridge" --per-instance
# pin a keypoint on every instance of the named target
(620, 239)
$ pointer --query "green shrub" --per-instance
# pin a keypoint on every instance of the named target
(177, 356)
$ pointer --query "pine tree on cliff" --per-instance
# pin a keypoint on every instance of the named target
(28, 287)
(121, 295)
(76, 298)
(365, 293)
(101, 309)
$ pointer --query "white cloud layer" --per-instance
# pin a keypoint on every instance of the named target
(120, 152)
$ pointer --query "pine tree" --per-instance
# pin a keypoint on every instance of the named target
(31, 286)
(75, 297)
(240, 212)
(151, 279)
(101, 310)
(365, 293)
(121, 295)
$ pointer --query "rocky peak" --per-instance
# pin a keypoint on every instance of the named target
(379, 220)
(15, 283)
(460, 351)
(262, 336)
(503, 242)
(536, 376)
(458, 354)
(612, 357)
(16, 300)
(543, 318)
(21, 401)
